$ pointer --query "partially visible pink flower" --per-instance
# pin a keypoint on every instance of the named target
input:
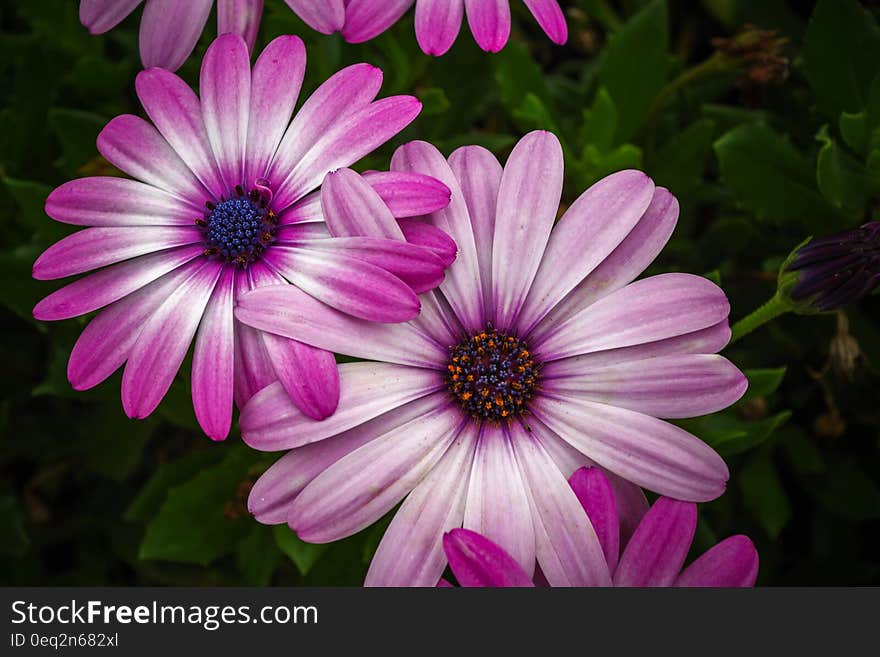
(220, 204)
(170, 28)
(652, 556)
(437, 21)
(538, 354)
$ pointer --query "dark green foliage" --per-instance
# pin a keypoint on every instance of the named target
(90, 497)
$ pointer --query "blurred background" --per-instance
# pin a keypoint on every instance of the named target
(762, 116)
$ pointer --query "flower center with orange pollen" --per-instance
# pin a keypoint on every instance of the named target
(492, 375)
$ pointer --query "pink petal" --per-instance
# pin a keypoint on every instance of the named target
(133, 145)
(702, 341)
(489, 21)
(420, 268)
(408, 194)
(111, 284)
(240, 17)
(567, 548)
(253, 369)
(411, 550)
(649, 452)
(549, 15)
(352, 207)
(100, 16)
(479, 174)
(288, 311)
(657, 550)
(629, 259)
(170, 29)
(347, 140)
(271, 422)
(476, 561)
(107, 201)
(214, 361)
(106, 342)
(272, 495)
(348, 284)
(93, 248)
(361, 487)
(651, 309)
(528, 200)
(462, 287)
(326, 16)
(225, 89)
(164, 341)
(345, 92)
(733, 562)
(595, 494)
(430, 237)
(309, 375)
(668, 387)
(365, 19)
(275, 85)
(176, 112)
(589, 232)
(497, 501)
(437, 24)
(632, 505)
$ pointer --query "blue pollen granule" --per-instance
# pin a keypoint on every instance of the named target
(492, 376)
(238, 229)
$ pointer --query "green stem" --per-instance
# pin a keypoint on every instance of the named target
(769, 311)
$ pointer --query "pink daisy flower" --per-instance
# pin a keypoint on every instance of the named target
(219, 204)
(652, 556)
(170, 29)
(537, 355)
(437, 21)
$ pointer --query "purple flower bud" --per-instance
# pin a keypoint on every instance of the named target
(837, 270)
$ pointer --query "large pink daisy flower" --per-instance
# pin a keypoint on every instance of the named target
(220, 204)
(652, 556)
(537, 355)
(170, 29)
(437, 21)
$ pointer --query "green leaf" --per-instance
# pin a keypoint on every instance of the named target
(532, 114)
(844, 181)
(77, 132)
(764, 495)
(841, 55)
(773, 180)
(257, 556)
(18, 291)
(177, 408)
(854, 129)
(152, 496)
(679, 164)
(434, 101)
(111, 443)
(762, 382)
(730, 434)
(192, 525)
(518, 75)
(600, 123)
(30, 196)
(303, 554)
(634, 67)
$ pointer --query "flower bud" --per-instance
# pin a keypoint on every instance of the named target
(830, 272)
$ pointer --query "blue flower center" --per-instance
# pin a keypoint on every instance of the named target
(238, 230)
(492, 375)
